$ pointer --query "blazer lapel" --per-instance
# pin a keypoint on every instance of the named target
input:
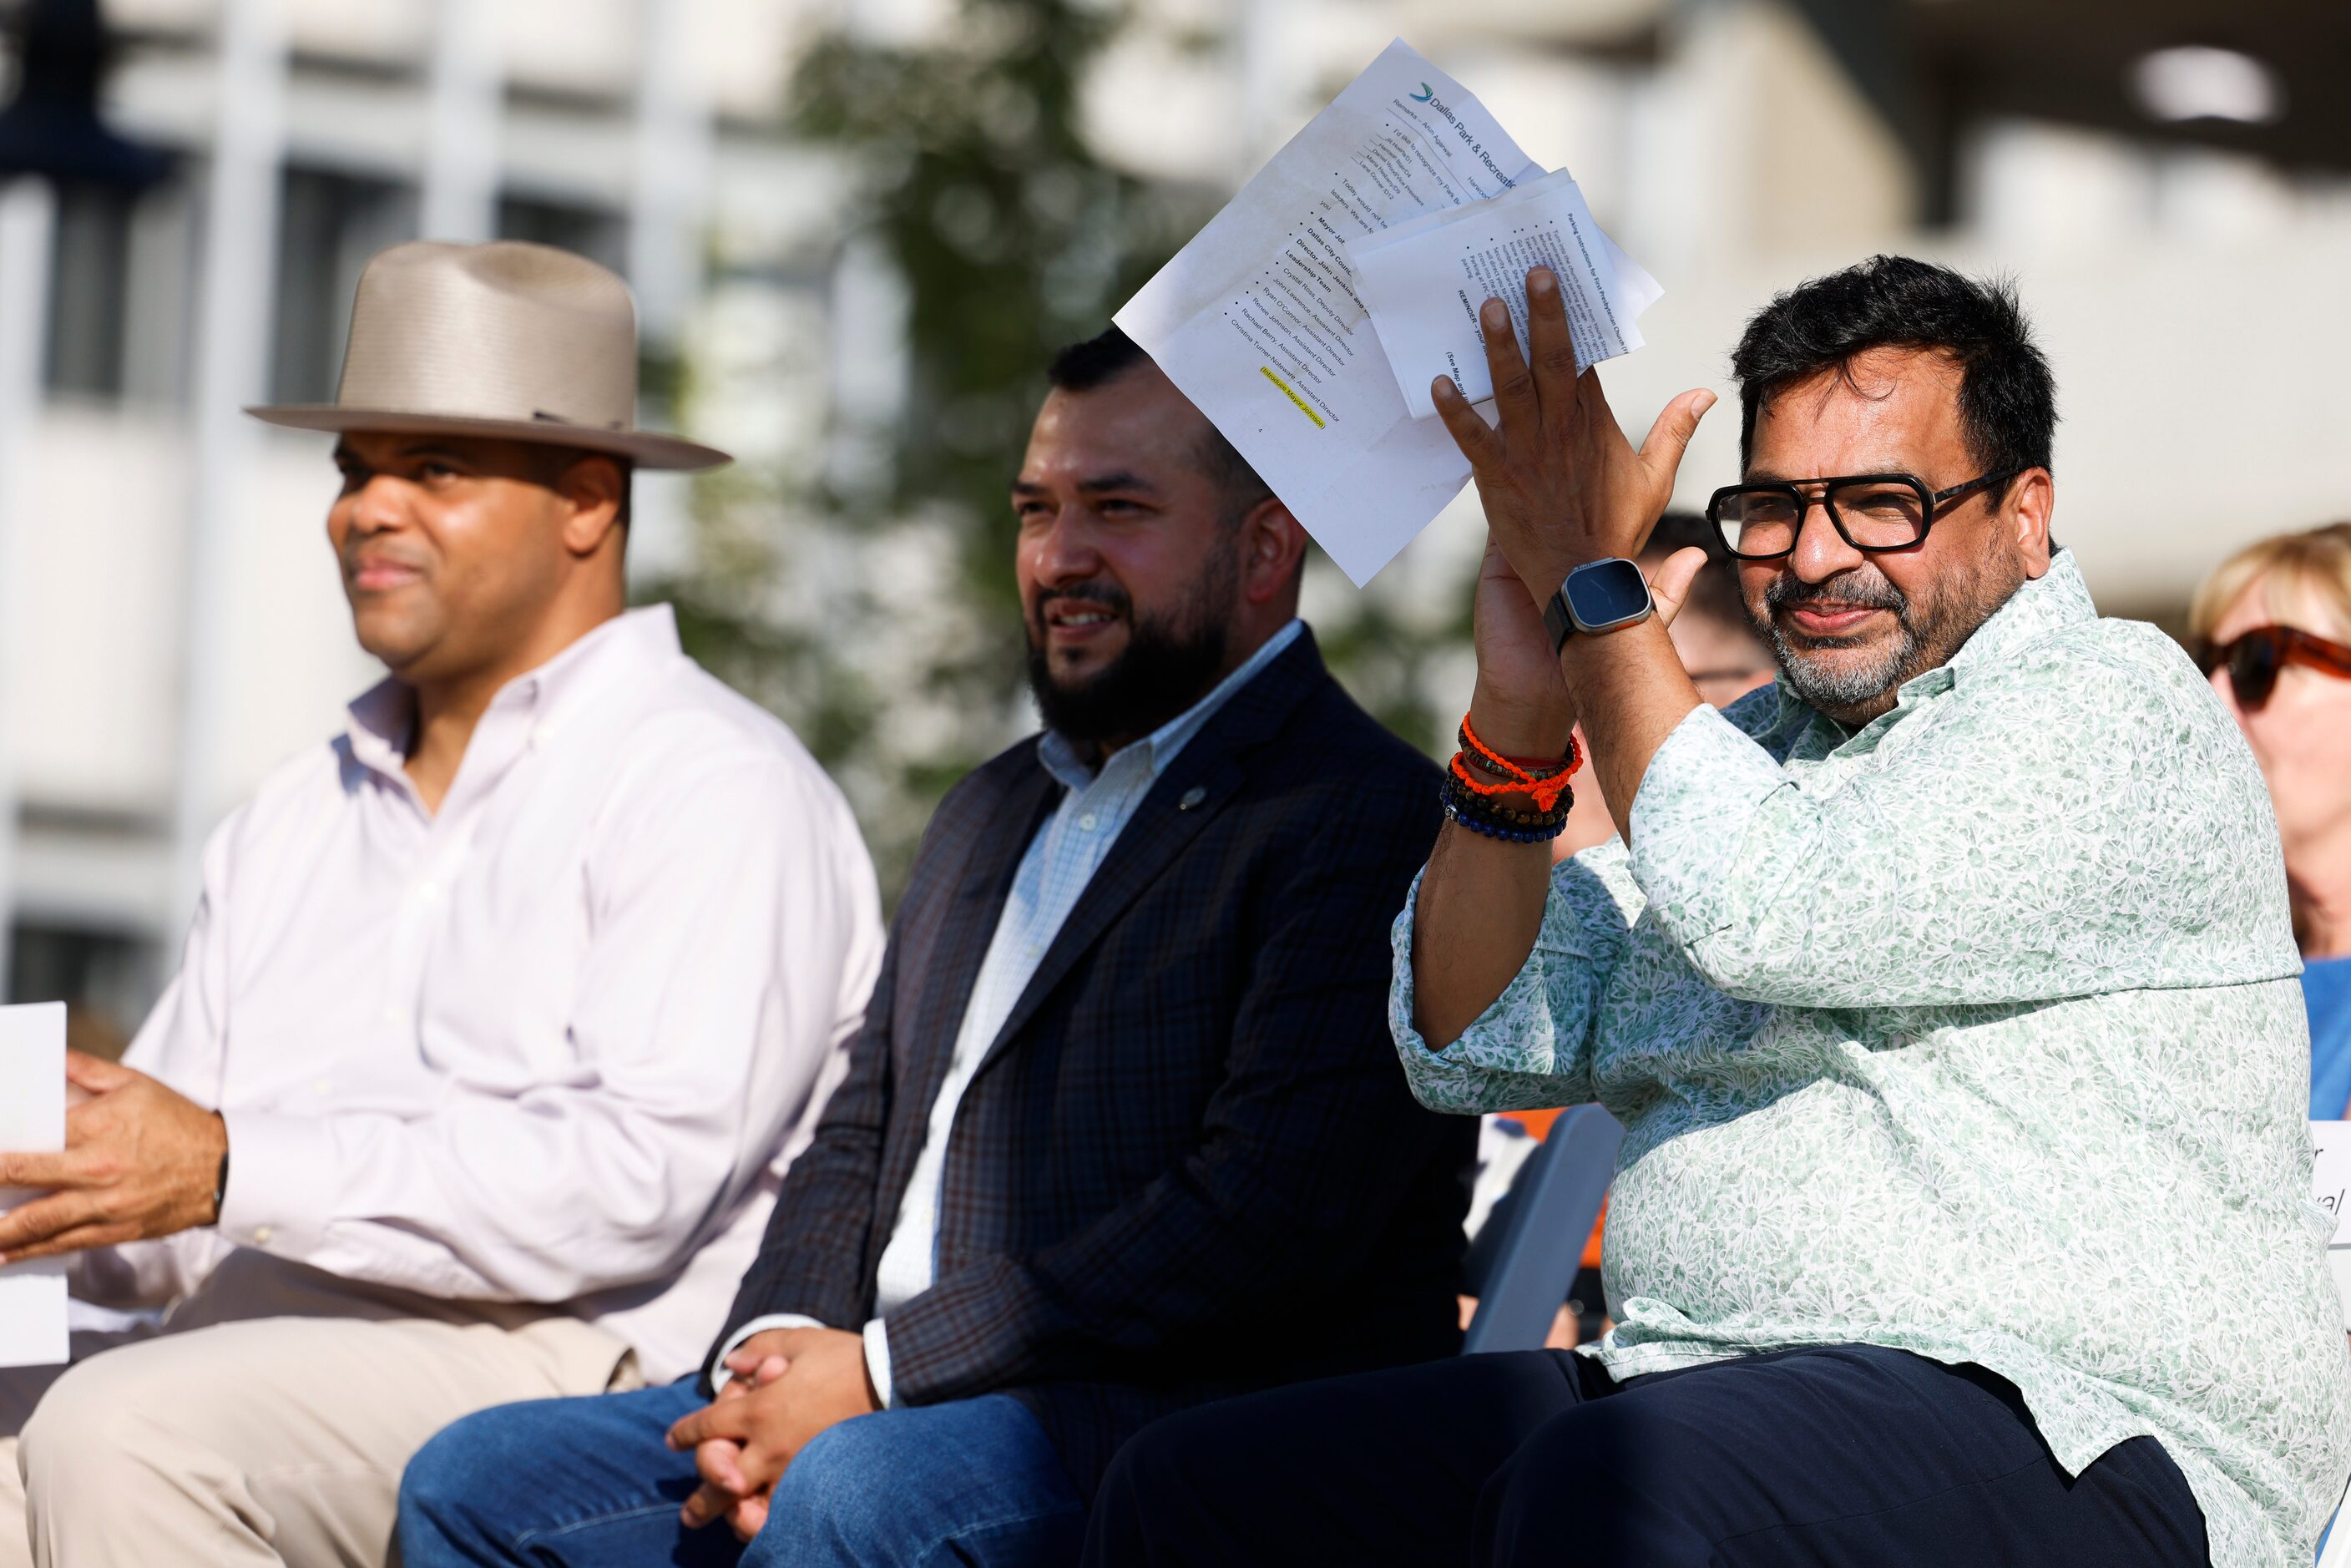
(969, 924)
(1204, 777)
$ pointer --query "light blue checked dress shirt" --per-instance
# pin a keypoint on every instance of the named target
(1060, 861)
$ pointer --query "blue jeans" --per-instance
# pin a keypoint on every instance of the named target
(587, 1482)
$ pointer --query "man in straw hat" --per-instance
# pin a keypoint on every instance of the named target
(501, 1014)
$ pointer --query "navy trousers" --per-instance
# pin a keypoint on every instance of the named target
(1846, 1457)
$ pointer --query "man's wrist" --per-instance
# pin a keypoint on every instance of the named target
(220, 1178)
(1520, 728)
(767, 1322)
(1598, 597)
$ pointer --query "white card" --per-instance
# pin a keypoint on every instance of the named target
(32, 1121)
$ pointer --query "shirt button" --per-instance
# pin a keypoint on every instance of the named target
(1087, 821)
(395, 1015)
(428, 889)
(261, 1235)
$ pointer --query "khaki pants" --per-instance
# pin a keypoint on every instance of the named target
(266, 1423)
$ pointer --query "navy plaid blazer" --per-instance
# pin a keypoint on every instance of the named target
(1188, 1167)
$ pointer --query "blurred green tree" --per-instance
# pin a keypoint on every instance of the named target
(971, 181)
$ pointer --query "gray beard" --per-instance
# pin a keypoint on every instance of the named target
(1841, 688)
(1928, 635)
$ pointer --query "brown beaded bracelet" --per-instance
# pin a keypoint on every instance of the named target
(1480, 815)
(1494, 762)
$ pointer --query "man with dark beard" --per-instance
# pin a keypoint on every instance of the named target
(1122, 1133)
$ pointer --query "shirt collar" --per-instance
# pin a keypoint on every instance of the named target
(2058, 597)
(383, 718)
(2055, 599)
(1066, 761)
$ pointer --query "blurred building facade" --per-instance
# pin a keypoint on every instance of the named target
(172, 620)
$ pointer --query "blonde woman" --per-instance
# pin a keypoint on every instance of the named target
(2272, 627)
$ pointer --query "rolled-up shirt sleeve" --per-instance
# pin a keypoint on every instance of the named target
(1533, 1048)
(725, 914)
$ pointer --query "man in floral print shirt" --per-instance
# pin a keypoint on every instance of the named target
(1945, 990)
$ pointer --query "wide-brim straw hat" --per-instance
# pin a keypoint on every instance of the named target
(523, 342)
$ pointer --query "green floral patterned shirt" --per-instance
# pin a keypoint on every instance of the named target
(1976, 1034)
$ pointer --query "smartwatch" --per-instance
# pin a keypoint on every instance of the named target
(1599, 596)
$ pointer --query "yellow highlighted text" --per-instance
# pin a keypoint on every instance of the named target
(1302, 406)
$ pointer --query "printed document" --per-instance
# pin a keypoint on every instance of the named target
(32, 1121)
(1260, 323)
(1425, 281)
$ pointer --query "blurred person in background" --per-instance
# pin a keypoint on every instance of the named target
(1944, 989)
(1123, 1131)
(2273, 629)
(502, 1013)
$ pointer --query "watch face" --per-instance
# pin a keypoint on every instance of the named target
(1607, 593)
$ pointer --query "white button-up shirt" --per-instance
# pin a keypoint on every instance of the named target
(1060, 861)
(554, 1043)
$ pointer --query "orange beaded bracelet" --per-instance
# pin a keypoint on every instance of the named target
(1545, 792)
(1542, 783)
(1517, 767)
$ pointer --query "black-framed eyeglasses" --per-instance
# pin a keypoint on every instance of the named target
(2255, 659)
(1871, 512)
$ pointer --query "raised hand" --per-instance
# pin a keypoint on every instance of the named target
(1560, 483)
(1561, 486)
(1669, 585)
(1521, 704)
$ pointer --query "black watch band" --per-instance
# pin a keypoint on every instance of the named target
(1558, 620)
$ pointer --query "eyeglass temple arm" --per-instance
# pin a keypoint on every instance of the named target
(2327, 654)
(1980, 482)
(2294, 645)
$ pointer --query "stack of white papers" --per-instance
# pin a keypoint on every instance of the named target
(32, 1121)
(1266, 323)
(1423, 281)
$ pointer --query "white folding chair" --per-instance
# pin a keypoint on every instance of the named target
(1554, 1205)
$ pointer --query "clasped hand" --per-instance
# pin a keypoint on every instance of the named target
(788, 1386)
(1561, 486)
(141, 1160)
